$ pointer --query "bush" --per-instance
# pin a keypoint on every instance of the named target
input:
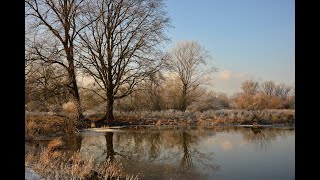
(36, 106)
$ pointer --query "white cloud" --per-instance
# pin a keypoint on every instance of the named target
(225, 75)
(228, 81)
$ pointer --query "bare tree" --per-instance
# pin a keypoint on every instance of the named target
(61, 19)
(154, 90)
(187, 62)
(282, 90)
(119, 50)
(46, 84)
(248, 98)
(250, 88)
(268, 88)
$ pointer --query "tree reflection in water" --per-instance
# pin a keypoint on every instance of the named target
(190, 145)
(169, 150)
(186, 162)
(110, 151)
(262, 137)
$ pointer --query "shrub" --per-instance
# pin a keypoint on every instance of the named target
(36, 106)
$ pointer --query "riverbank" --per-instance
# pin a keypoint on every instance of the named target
(44, 125)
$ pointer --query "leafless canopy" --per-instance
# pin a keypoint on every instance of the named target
(268, 88)
(63, 20)
(121, 48)
(250, 87)
(282, 90)
(187, 62)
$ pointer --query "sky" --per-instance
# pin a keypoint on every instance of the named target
(247, 39)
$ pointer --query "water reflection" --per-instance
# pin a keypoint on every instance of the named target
(186, 162)
(151, 149)
(110, 151)
(191, 152)
(262, 137)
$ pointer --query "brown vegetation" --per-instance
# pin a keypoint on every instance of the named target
(39, 127)
(42, 127)
(53, 164)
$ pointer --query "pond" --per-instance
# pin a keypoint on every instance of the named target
(196, 152)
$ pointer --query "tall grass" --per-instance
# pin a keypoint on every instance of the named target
(71, 110)
(41, 127)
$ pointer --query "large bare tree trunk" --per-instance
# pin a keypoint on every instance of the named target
(73, 83)
(184, 98)
(77, 98)
(109, 119)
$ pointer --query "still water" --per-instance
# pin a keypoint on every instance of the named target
(197, 152)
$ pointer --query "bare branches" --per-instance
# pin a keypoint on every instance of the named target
(61, 18)
(269, 88)
(187, 62)
(282, 90)
(94, 91)
(250, 88)
(121, 44)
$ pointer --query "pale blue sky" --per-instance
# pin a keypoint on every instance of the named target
(248, 39)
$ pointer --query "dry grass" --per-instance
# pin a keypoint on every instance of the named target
(53, 164)
(55, 144)
(45, 126)
(42, 127)
(71, 109)
(31, 129)
(267, 116)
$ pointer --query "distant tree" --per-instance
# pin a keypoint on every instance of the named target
(171, 93)
(119, 50)
(291, 98)
(268, 88)
(210, 100)
(250, 88)
(249, 97)
(282, 90)
(45, 84)
(188, 63)
(148, 95)
(153, 87)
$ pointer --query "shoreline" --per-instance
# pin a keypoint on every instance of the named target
(44, 125)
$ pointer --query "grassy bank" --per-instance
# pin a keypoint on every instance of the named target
(43, 125)
(216, 117)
